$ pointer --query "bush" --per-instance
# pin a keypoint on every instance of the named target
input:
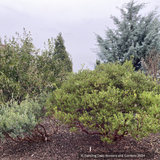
(24, 72)
(112, 99)
(19, 119)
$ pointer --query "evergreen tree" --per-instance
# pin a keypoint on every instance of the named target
(135, 36)
(61, 54)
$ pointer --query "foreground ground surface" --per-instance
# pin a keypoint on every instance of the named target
(65, 145)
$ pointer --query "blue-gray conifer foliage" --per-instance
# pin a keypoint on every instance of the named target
(136, 35)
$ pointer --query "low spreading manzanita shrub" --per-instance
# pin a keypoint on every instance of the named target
(113, 99)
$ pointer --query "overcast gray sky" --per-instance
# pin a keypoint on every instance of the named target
(77, 20)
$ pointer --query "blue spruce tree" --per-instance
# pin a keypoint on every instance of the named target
(135, 36)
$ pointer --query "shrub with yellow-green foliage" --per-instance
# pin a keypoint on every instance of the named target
(112, 99)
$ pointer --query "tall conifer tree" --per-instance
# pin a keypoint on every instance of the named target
(135, 36)
(60, 53)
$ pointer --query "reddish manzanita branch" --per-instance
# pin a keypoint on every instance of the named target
(37, 135)
(115, 136)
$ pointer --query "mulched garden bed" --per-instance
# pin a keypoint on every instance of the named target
(65, 145)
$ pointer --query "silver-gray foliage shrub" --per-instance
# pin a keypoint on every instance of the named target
(19, 119)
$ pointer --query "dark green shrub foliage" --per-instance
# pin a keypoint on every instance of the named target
(112, 99)
(24, 72)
